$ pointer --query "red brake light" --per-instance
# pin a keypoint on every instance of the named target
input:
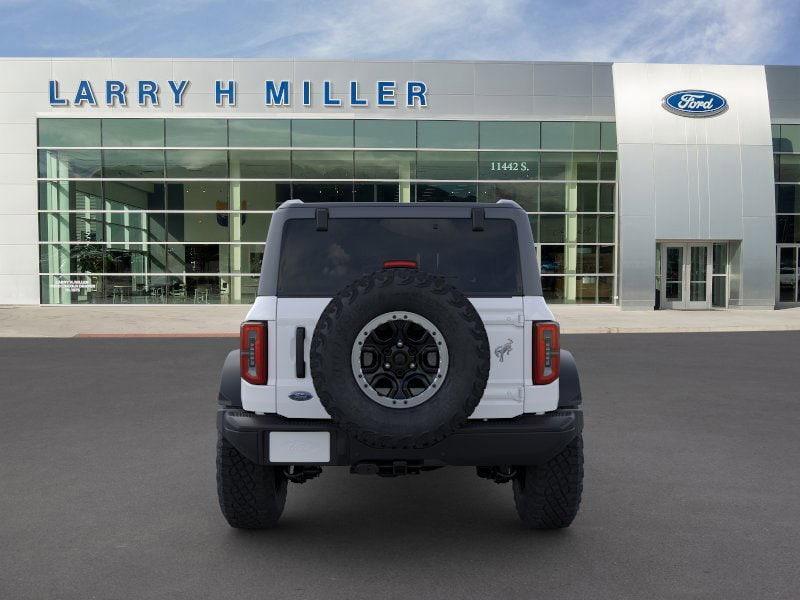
(400, 264)
(546, 352)
(253, 352)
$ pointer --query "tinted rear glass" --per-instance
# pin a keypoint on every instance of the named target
(320, 263)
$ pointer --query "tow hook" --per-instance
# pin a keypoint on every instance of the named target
(301, 473)
(497, 474)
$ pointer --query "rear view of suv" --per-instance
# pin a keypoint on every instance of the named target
(395, 339)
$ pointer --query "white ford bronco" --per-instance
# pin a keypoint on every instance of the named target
(394, 339)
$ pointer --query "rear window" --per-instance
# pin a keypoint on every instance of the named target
(320, 263)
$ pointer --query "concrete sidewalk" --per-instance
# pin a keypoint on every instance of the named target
(223, 320)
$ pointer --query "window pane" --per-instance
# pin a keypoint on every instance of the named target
(605, 290)
(556, 165)
(605, 231)
(133, 164)
(587, 197)
(787, 198)
(586, 289)
(605, 262)
(585, 166)
(534, 221)
(447, 134)
(587, 136)
(133, 132)
(69, 132)
(76, 227)
(385, 165)
(197, 163)
(524, 194)
(586, 259)
(198, 195)
(70, 195)
(509, 134)
(608, 136)
(720, 263)
(447, 165)
(62, 164)
(790, 138)
(557, 135)
(134, 226)
(383, 192)
(255, 226)
(197, 132)
(553, 289)
(132, 195)
(787, 263)
(261, 195)
(380, 133)
(606, 197)
(552, 229)
(323, 192)
(552, 259)
(789, 170)
(199, 227)
(788, 229)
(509, 165)
(322, 133)
(587, 229)
(608, 166)
(776, 138)
(322, 164)
(270, 133)
(553, 197)
(260, 164)
(446, 192)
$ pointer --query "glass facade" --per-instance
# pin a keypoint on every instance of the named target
(176, 210)
(786, 148)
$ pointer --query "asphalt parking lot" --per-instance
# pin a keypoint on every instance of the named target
(691, 491)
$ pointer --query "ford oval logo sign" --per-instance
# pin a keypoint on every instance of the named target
(301, 396)
(695, 103)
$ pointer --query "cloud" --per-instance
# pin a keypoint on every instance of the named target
(710, 31)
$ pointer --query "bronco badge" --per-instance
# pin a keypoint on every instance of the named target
(501, 351)
(301, 396)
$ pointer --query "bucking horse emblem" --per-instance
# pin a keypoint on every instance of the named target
(501, 351)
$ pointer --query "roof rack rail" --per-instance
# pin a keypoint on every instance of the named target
(507, 202)
(292, 202)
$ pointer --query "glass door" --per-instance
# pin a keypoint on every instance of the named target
(686, 275)
(672, 264)
(788, 275)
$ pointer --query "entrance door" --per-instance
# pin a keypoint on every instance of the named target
(686, 276)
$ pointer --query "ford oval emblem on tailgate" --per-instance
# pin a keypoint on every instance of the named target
(301, 396)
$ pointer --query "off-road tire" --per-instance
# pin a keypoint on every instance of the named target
(387, 291)
(251, 496)
(548, 496)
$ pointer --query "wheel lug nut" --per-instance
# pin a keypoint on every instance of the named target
(386, 366)
(399, 344)
(412, 365)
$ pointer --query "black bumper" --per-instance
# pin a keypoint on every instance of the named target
(524, 440)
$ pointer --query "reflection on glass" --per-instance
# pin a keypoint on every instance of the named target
(65, 133)
(509, 134)
(322, 133)
(64, 164)
(447, 134)
(260, 164)
(133, 132)
(524, 194)
(385, 165)
(197, 164)
(258, 133)
(132, 164)
(322, 164)
(447, 165)
(447, 192)
(384, 133)
(197, 133)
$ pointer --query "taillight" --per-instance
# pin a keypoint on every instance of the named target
(546, 352)
(399, 264)
(253, 347)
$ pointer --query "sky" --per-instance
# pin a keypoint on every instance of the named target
(680, 31)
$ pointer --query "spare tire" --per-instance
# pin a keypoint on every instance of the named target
(399, 359)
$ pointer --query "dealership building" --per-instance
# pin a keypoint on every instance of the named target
(152, 181)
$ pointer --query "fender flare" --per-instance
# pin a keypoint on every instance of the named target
(230, 383)
(569, 383)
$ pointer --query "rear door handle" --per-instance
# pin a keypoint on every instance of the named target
(299, 352)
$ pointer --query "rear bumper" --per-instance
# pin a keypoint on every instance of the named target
(524, 440)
